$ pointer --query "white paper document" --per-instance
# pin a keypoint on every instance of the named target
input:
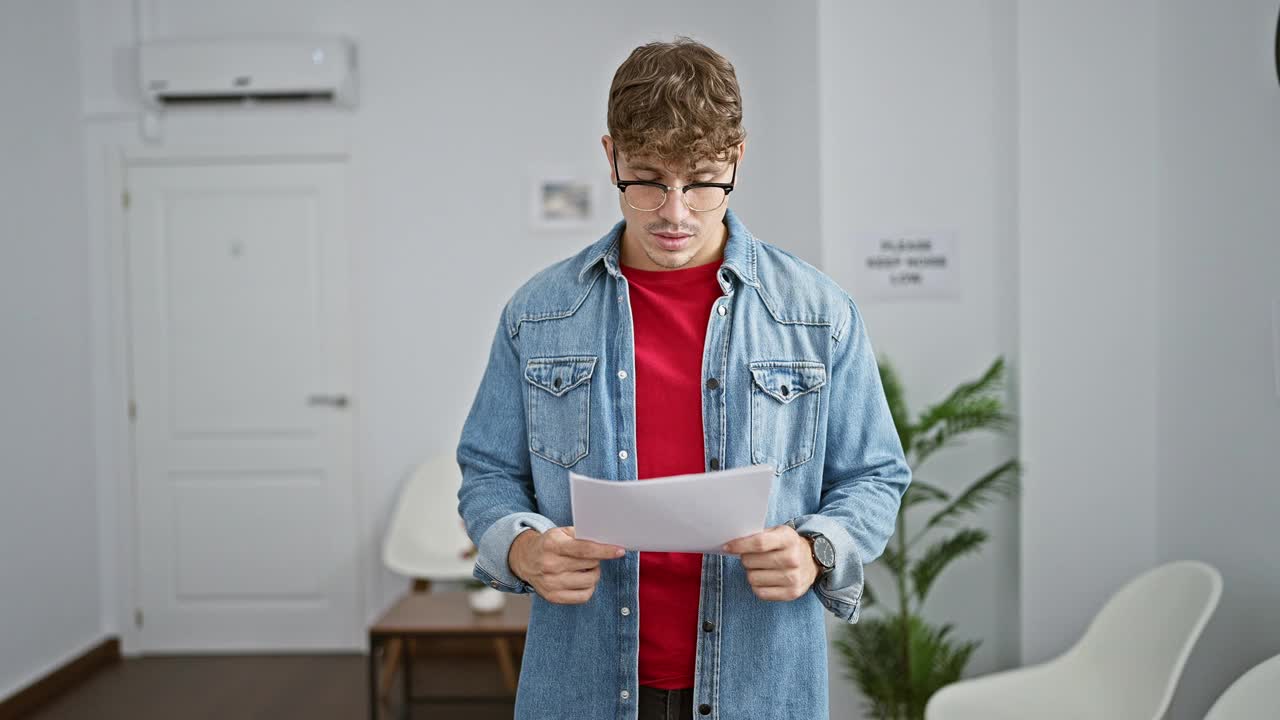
(682, 513)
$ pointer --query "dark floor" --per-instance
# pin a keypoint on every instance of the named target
(275, 687)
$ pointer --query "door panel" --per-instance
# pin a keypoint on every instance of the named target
(246, 502)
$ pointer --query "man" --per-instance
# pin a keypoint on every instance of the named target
(679, 343)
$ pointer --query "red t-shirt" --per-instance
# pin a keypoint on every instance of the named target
(670, 310)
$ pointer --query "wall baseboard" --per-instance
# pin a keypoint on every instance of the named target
(61, 680)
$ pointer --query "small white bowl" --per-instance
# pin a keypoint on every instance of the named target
(486, 600)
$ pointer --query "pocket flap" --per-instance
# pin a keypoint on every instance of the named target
(561, 374)
(786, 380)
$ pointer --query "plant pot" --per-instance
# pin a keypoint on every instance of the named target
(486, 600)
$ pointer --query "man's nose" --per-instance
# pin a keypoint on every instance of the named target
(673, 210)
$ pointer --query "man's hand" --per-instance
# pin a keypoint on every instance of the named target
(779, 562)
(562, 568)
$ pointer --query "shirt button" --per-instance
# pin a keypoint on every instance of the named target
(712, 384)
(721, 309)
(622, 454)
(715, 463)
(622, 374)
(708, 626)
(626, 611)
(705, 709)
(494, 583)
(625, 694)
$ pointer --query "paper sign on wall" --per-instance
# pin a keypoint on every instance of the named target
(906, 266)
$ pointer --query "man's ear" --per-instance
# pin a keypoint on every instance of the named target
(607, 143)
(742, 150)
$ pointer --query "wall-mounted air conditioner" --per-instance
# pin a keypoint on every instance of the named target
(248, 69)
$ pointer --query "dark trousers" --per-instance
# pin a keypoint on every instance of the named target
(657, 704)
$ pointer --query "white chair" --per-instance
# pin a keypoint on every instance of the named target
(1125, 667)
(427, 542)
(426, 539)
(1256, 694)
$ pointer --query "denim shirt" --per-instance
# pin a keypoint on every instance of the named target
(797, 388)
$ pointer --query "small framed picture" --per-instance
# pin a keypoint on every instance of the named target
(562, 202)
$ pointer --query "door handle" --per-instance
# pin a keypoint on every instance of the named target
(338, 401)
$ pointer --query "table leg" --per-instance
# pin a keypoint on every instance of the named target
(373, 678)
(503, 648)
(390, 664)
(407, 685)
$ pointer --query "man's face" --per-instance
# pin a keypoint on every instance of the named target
(673, 236)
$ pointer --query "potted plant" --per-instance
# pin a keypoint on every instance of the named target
(896, 657)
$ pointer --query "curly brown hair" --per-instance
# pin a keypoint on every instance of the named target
(677, 102)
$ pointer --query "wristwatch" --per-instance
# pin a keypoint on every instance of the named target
(823, 553)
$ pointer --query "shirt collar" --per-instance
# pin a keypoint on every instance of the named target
(739, 251)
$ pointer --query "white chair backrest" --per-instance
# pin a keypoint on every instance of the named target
(1256, 694)
(1136, 646)
(426, 537)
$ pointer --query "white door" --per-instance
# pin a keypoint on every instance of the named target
(241, 373)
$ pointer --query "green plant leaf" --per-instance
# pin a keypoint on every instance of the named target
(896, 686)
(872, 660)
(897, 403)
(919, 492)
(991, 381)
(1001, 481)
(958, 419)
(895, 562)
(971, 406)
(940, 554)
(896, 658)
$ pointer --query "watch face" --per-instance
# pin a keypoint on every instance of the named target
(822, 548)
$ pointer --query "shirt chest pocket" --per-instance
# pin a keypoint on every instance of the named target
(559, 407)
(785, 400)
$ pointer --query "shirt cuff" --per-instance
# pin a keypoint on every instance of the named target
(840, 589)
(495, 545)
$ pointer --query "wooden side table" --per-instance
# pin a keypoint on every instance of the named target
(444, 615)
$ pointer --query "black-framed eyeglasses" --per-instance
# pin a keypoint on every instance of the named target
(649, 195)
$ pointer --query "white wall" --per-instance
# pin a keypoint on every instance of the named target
(49, 589)
(1218, 405)
(916, 111)
(1087, 296)
(1149, 175)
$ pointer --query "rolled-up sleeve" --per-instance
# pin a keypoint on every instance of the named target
(865, 472)
(496, 499)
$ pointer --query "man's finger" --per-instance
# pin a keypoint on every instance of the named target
(588, 550)
(568, 563)
(775, 594)
(764, 560)
(573, 564)
(572, 579)
(759, 542)
(770, 578)
(583, 580)
(572, 547)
